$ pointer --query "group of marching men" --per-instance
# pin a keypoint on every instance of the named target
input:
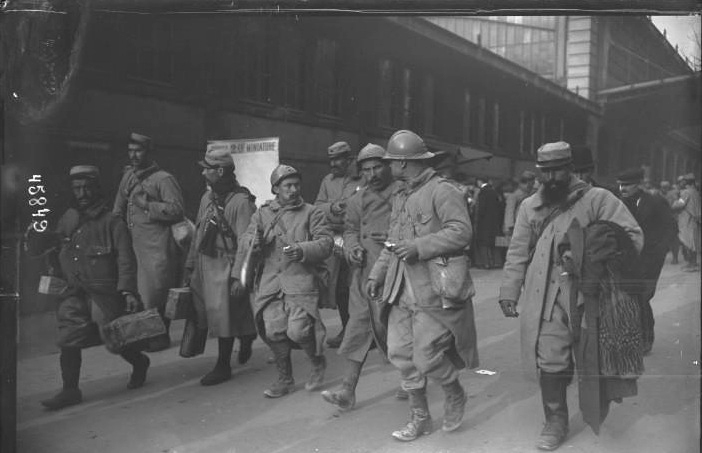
(388, 248)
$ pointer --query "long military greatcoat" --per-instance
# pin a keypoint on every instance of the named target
(223, 315)
(530, 276)
(367, 212)
(333, 189)
(154, 246)
(432, 212)
(298, 281)
(689, 218)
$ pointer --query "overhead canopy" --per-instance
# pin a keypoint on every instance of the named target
(449, 154)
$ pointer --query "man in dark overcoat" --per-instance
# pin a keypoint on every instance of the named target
(655, 218)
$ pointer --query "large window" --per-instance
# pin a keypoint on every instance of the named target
(407, 98)
(151, 53)
(293, 69)
(327, 72)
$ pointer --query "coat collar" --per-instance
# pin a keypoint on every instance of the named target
(411, 185)
(275, 205)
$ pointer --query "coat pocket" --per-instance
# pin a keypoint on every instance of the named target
(101, 262)
(451, 280)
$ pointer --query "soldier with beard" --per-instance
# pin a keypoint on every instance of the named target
(367, 223)
(533, 276)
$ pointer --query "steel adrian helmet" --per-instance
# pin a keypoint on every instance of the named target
(281, 172)
(406, 145)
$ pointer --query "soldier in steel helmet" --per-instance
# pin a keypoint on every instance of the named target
(423, 276)
(292, 239)
(365, 231)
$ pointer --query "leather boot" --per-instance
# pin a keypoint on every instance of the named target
(553, 394)
(140, 364)
(319, 365)
(454, 405)
(285, 383)
(222, 371)
(245, 348)
(65, 398)
(345, 397)
(420, 420)
(70, 360)
(401, 394)
(335, 342)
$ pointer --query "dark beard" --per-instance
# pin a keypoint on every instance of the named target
(555, 192)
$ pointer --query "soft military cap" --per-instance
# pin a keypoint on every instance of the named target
(84, 171)
(137, 141)
(370, 151)
(553, 155)
(665, 184)
(690, 177)
(630, 176)
(338, 149)
(217, 157)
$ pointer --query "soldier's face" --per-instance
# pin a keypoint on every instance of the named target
(376, 173)
(138, 156)
(288, 190)
(397, 169)
(85, 192)
(629, 190)
(212, 174)
(339, 165)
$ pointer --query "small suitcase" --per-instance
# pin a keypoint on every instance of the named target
(179, 304)
(132, 328)
(194, 339)
(52, 286)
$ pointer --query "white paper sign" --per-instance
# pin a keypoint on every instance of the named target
(255, 159)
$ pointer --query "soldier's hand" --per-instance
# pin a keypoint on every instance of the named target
(238, 290)
(509, 308)
(379, 237)
(355, 256)
(407, 251)
(133, 304)
(187, 276)
(372, 287)
(338, 208)
(293, 252)
(140, 199)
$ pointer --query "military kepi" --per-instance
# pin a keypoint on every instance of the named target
(338, 149)
(553, 155)
(139, 140)
(630, 176)
(84, 171)
(217, 157)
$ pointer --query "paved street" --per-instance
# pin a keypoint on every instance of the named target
(172, 413)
